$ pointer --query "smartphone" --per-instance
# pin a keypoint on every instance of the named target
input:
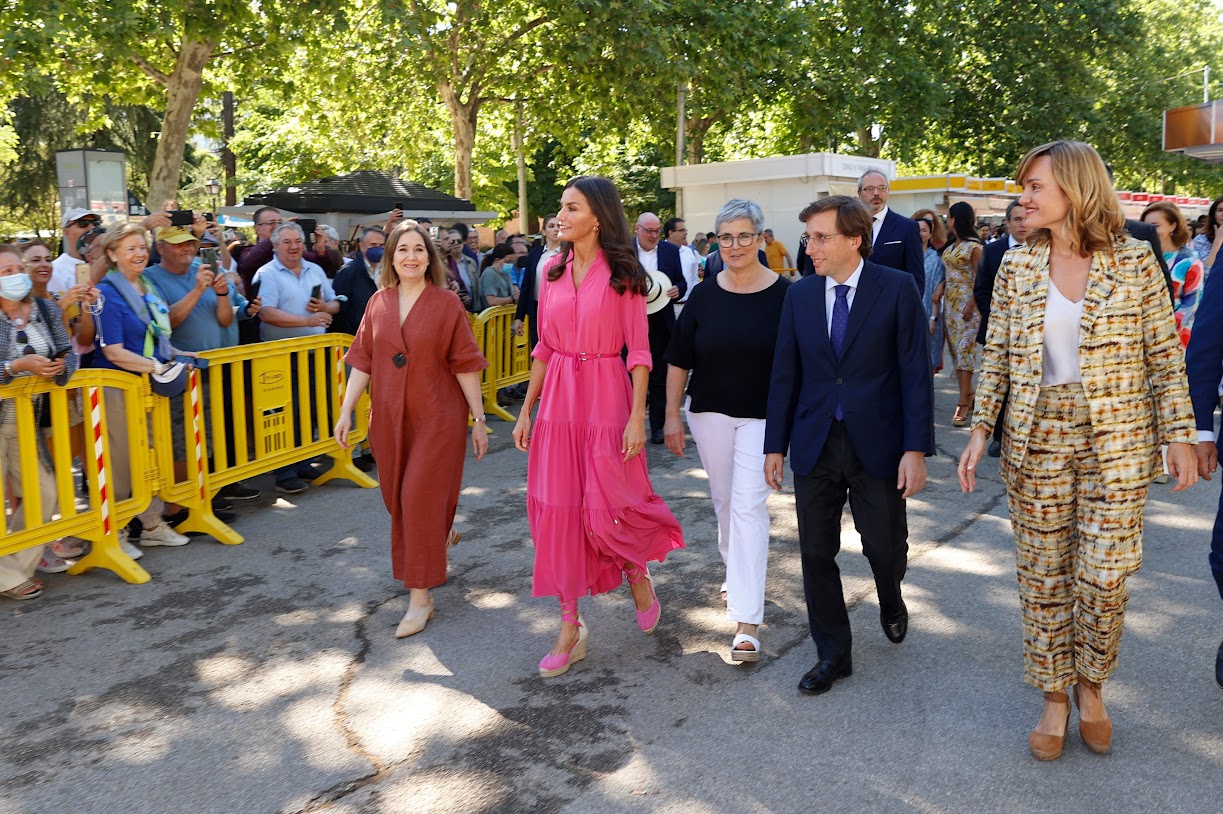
(209, 217)
(181, 217)
(252, 290)
(62, 353)
(399, 205)
(308, 226)
(199, 364)
(316, 293)
(210, 256)
(84, 274)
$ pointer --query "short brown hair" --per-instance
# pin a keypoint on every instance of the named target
(853, 218)
(1095, 219)
(387, 278)
(1180, 228)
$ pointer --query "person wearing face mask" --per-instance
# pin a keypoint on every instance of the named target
(496, 286)
(358, 280)
(33, 342)
(78, 321)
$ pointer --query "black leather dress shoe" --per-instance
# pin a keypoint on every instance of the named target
(896, 626)
(995, 449)
(1219, 666)
(656, 437)
(821, 677)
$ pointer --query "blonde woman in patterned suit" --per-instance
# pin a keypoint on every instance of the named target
(1083, 337)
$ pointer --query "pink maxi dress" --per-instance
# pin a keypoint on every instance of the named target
(591, 514)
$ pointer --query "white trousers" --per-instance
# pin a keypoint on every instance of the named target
(732, 452)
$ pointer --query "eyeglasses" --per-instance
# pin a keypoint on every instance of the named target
(817, 238)
(743, 240)
(270, 223)
(873, 190)
(654, 232)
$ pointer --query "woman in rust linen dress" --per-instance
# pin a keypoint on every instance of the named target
(595, 518)
(416, 352)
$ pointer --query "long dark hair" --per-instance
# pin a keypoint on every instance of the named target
(1210, 219)
(604, 199)
(964, 221)
(501, 250)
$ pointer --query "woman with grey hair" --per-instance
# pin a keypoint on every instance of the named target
(724, 337)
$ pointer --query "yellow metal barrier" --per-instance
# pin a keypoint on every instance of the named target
(102, 519)
(509, 356)
(293, 388)
(296, 385)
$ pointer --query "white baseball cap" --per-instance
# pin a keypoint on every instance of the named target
(73, 215)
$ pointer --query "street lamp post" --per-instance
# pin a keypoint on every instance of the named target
(213, 188)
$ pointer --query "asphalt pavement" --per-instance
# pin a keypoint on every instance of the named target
(266, 678)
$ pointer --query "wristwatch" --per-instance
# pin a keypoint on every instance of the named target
(8, 370)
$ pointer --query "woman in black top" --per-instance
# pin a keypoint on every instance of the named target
(725, 337)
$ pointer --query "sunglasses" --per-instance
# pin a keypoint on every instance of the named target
(22, 339)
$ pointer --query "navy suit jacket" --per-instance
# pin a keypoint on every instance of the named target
(354, 282)
(882, 378)
(1141, 230)
(668, 264)
(983, 286)
(899, 247)
(528, 306)
(1204, 356)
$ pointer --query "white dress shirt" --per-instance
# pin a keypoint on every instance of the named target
(63, 273)
(878, 224)
(830, 294)
(649, 260)
(539, 268)
(690, 264)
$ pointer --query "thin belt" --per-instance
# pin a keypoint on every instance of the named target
(580, 357)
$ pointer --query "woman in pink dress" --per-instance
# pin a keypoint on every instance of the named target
(594, 515)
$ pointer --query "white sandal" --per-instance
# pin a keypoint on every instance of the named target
(744, 655)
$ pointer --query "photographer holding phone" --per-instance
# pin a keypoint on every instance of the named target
(298, 300)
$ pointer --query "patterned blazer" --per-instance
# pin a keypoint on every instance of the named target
(1130, 357)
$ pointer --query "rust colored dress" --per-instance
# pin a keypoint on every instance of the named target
(418, 421)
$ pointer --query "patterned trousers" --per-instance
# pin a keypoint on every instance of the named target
(1077, 540)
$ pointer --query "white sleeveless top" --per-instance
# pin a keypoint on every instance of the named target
(1061, 343)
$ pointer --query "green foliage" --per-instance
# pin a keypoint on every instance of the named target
(429, 88)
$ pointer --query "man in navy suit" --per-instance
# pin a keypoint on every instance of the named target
(1203, 363)
(852, 399)
(656, 254)
(895, 239)
(983, 288)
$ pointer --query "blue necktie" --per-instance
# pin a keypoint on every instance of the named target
(836, 332)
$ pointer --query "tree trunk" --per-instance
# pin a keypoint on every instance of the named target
(182, 91)
(463, 116)
(697, 128)
(868, 146)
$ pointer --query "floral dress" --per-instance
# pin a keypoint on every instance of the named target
(1185, 267)
(961, 333)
